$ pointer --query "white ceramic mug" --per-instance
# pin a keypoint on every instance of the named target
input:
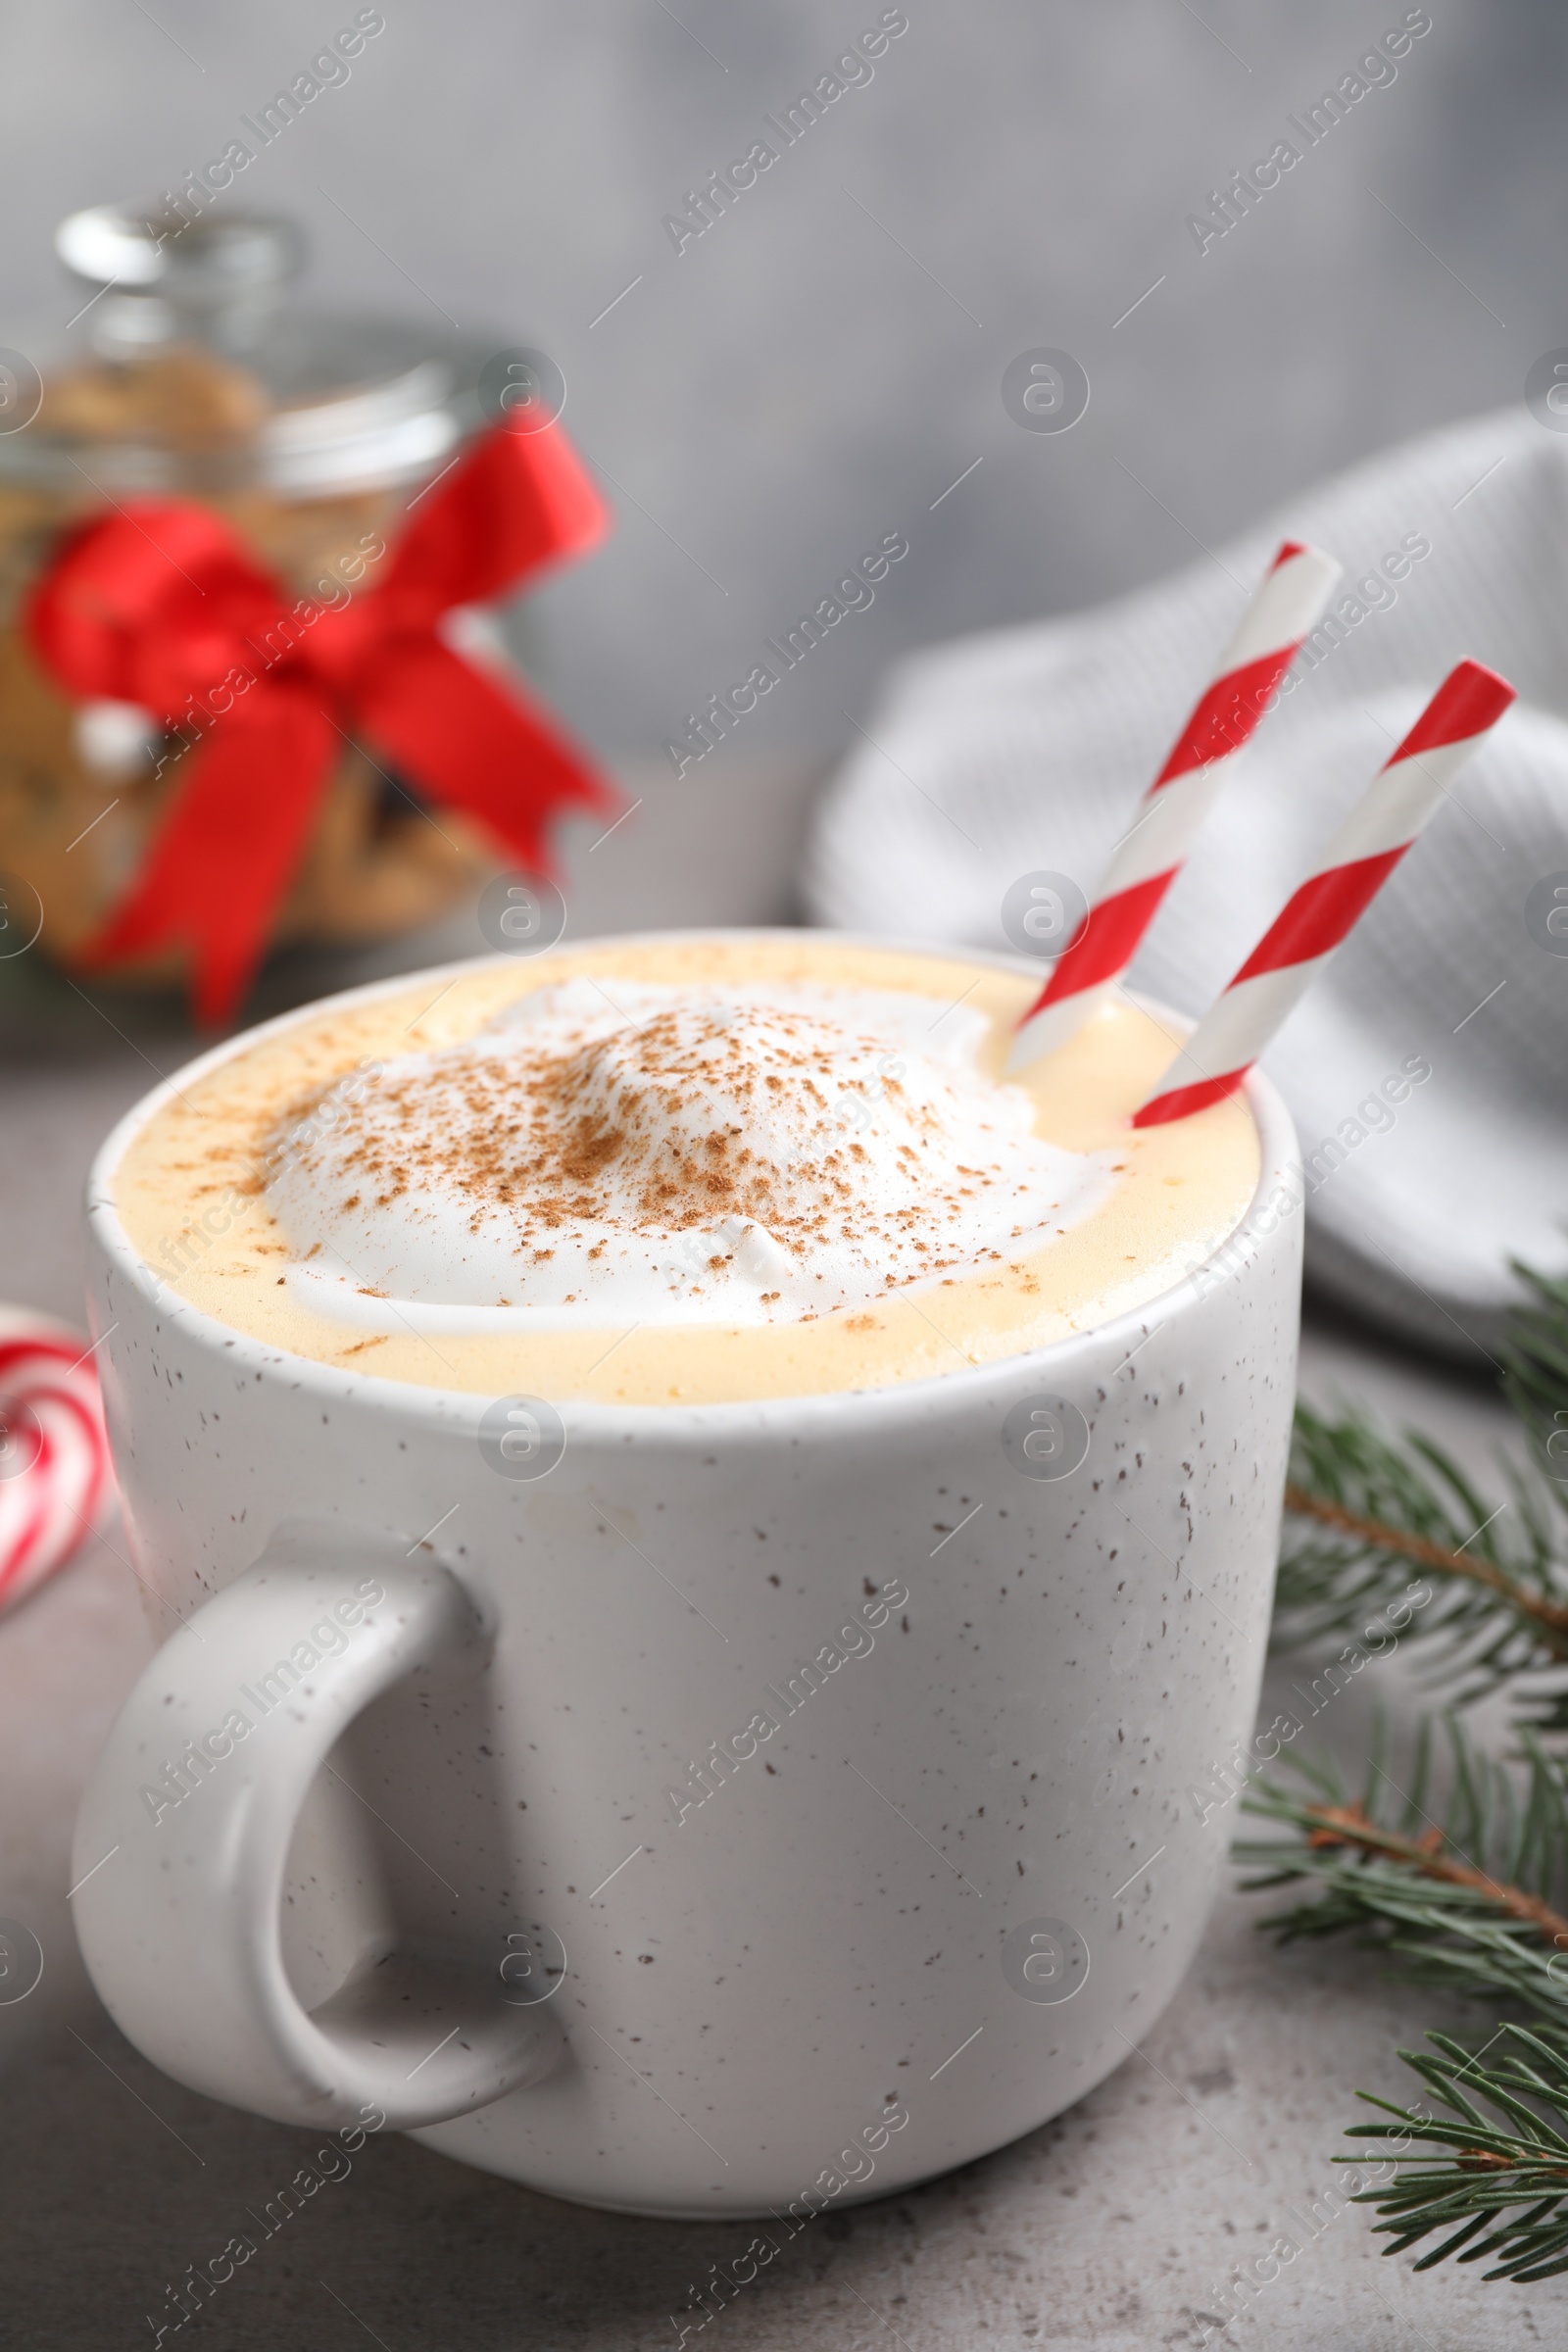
(452, 1798)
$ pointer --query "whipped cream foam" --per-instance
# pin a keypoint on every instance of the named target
(669, 1153)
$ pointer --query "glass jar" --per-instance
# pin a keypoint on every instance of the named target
(189, 373)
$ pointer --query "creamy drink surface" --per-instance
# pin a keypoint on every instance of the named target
(681, 1170)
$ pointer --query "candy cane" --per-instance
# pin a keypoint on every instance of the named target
(55, 1475)
(1353, 868)
(1288, 606)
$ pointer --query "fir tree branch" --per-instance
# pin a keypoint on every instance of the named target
(1364, 1509)
(1516, 2166)
(1476, 1901)
(1374, 1534)
(1349, 1825)
(1534, 1377)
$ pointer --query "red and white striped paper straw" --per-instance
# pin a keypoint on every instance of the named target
(1353, 868)
(1288, 606)
(54, 1477)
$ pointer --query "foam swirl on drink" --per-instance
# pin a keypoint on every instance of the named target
(678, 1154)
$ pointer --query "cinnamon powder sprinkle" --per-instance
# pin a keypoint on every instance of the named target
(611, 1133)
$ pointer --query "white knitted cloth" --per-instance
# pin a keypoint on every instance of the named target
(1028, 749)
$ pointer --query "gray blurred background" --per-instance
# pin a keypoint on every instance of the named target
(817, 369)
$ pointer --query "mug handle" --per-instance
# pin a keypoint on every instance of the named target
(182, 1842)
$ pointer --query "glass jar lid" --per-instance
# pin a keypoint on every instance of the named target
(199, 372)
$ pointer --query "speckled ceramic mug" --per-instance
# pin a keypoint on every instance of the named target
(775, 1803)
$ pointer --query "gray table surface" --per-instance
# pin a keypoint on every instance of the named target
(1113, 2227)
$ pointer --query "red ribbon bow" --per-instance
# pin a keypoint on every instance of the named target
(161, 604)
